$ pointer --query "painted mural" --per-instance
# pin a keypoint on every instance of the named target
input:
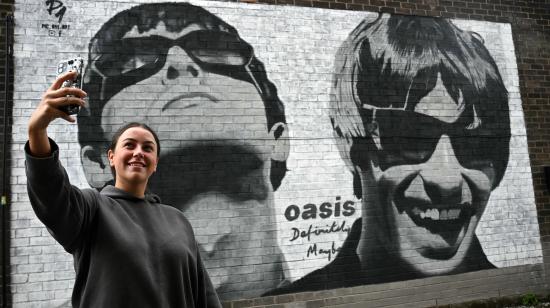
(314, 149)
(421, 114)
(178, 67)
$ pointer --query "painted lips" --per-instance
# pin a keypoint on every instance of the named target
(187, 96)
(444, 215)
(447, 217)
(439, 214)
(443, 221)
(448, 222)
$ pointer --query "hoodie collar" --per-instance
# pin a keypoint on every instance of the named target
(115, 193)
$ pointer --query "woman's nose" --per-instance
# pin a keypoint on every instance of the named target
(179, 64)
(138, 152)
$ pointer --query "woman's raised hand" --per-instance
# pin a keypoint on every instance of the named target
(48, 110)
(54, 98)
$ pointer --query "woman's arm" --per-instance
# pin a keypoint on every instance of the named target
(64, 209)
(48, 110)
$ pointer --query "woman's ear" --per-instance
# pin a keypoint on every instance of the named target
(281, 145)
(96, 166)
(110, 157)
(156, 164)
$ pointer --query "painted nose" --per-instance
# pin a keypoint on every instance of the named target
(179, 64)
(442, 175)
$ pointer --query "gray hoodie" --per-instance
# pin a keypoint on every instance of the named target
(128, 251)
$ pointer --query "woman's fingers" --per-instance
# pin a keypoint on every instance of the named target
(66, 91)
(50, 108)
(65, 101)
(66, 117)
(62, 78)
(52, 100)
(57, 113)
(57, 97)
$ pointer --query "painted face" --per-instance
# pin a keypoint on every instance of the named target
(432, 183)
(134, 158)
(215, 159)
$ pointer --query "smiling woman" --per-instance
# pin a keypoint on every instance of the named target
(133, 156)
(121, 237)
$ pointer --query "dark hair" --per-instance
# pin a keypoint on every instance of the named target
(394, 61)
(176, 16)
(121, 130)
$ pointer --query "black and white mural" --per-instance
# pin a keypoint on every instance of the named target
(310, 149)
(188, 74)
(421, 115)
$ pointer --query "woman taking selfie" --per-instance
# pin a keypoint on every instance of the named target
(129, 249)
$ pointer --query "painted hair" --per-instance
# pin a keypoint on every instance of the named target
(175, 16)
(394, 61)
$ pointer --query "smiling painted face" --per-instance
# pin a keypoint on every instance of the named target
(216, 155)
(431, 182)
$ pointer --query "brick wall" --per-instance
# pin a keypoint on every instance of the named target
(254, 224)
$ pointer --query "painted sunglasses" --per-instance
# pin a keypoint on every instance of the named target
(405, 137)
(131, 60)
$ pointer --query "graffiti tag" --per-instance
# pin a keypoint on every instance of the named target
(57, 8)
(55, 29)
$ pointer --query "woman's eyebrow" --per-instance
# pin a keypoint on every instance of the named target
(134, 140)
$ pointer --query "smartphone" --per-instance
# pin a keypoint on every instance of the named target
(75, 64)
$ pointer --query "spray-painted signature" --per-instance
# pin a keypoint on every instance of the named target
(56, 6)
